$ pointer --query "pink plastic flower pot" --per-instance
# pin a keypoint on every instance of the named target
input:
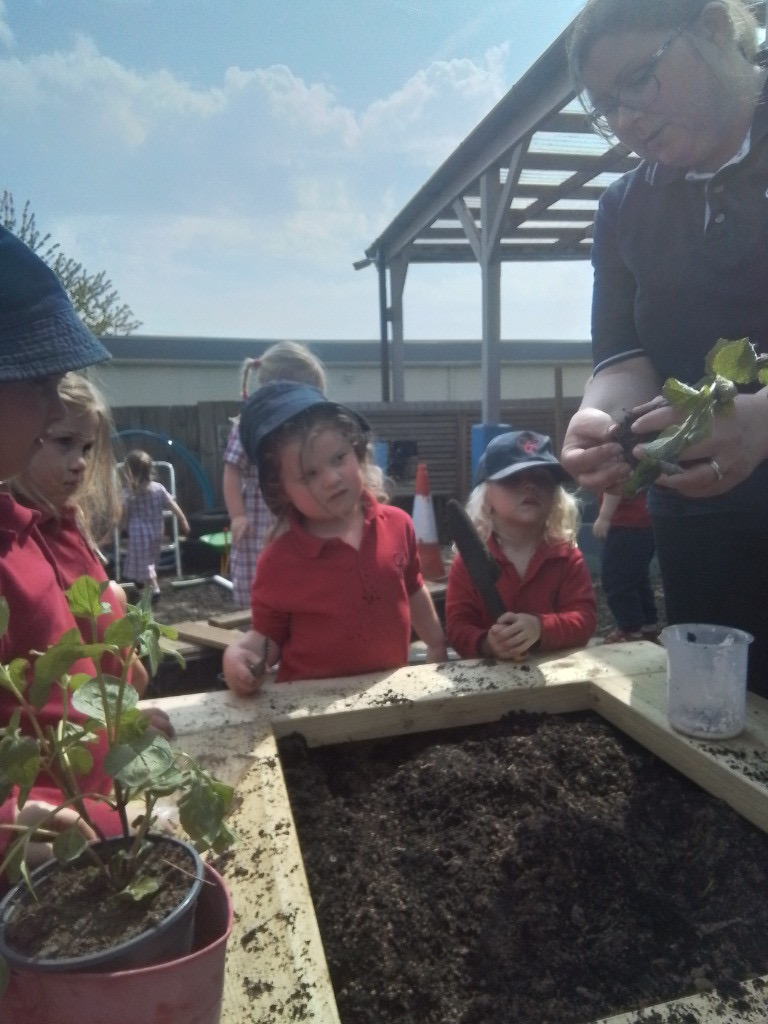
(187, 990)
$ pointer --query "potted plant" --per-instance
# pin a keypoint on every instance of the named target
(133, 872)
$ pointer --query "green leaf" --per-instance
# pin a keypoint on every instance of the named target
(4, 616)
(80, 758)
(88, 698)
(84, 597)
(734, 360)
(69, 845)
(122, 633)
(20, 759)
(136, 765)
(139, 888)
(680, 395)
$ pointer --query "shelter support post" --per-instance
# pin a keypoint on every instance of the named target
(398, 268)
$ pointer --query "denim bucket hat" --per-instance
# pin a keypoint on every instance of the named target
(40, 333)
(274, 404)
(515, 451)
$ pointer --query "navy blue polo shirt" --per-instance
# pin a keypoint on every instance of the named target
(668, 285)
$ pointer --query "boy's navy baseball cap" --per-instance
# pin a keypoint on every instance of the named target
(515, 451)
(40, 333)
(274, 404)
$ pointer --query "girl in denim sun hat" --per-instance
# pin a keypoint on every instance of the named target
(41, 338)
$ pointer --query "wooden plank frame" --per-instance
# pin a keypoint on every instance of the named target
(276, 969)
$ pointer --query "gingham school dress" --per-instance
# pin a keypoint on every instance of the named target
(144, 525)
(243, 556)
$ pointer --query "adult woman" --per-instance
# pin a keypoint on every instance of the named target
(681, 259)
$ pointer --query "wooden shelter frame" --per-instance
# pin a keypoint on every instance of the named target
(522, 187)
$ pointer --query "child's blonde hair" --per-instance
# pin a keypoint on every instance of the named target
(304, 429)
(96, 504)
(285, 360)
(138, 470)
(563, 521)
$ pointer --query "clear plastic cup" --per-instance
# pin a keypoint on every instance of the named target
(707, 679)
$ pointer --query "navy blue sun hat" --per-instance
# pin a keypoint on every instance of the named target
(40, 333)
(515, 451)
(274, 404)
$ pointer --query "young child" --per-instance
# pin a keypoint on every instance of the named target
(250, 519)
(41, 338)
(144, 501)
(626, 529)
(339, 587)
(530, 523)
(71, 481)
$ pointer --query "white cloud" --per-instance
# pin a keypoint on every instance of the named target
(238, 208)
(7, 39)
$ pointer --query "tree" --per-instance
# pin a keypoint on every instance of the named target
(93, 295)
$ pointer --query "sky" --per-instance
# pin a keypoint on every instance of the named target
(226, 161)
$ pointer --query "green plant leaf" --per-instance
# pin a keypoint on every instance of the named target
(84, 597)
(88, 698)
(202, 808)
(680, 395)
(69, 845)
(140, 888)
(734, 360)
(80, 758)
(138, 764)
(4, 616)
(19, 759)
(122, 633)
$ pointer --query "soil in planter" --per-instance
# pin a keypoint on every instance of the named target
(539, 870)
(76, 913)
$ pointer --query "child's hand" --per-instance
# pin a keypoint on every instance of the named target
(600, 527)
(243, 666)
(38, 812)
(510, 638)
(159, 721)
(240, 527)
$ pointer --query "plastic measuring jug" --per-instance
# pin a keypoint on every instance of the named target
(707, 679)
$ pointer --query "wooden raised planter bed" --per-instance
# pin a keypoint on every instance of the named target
(276, 968)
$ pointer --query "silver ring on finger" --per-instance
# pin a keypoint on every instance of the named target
(718, 472)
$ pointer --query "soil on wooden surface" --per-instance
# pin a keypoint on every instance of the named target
(539, 870)
(77, 914)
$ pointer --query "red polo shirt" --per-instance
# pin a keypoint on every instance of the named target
(39, 615)
(333, 610)
(557, 587)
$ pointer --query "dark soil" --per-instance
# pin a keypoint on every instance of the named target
(76, 913)
(539, 870)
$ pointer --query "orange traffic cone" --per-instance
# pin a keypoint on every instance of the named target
(432, 566)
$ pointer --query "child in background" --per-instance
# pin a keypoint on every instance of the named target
(41, 338)
(339, 587)
(530, 523)
(71, 481)
(626, 529)
(144, 501)
(250, 518)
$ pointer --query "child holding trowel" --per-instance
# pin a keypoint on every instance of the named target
(530, 523)
(339, 586)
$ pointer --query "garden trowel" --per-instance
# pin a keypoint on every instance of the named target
(482, 567)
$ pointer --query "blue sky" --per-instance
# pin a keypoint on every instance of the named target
(225, 161)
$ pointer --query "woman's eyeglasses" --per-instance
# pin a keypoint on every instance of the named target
(637, 92)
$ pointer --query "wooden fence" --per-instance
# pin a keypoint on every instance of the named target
(441, 432)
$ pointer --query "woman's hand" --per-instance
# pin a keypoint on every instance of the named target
(737, 445)
(589, 452)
